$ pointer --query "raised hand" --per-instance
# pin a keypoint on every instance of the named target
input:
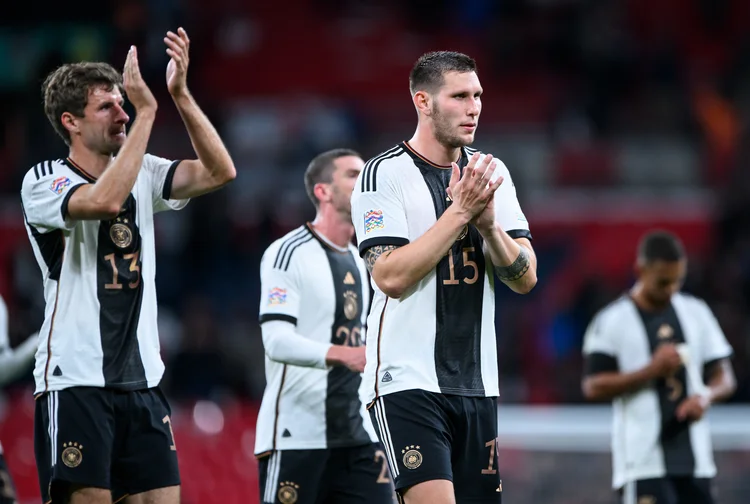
(473, 191)
(136, 89)
(178, 49)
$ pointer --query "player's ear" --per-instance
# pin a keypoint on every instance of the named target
(322, 191)
(70, 123)
(422, 101)
(639, 267)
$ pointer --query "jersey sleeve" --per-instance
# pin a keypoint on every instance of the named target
(508, 211)
(378, 210)
(162, 174)
(45, 194)
(714, 344)
(599, 347)
(280, 288)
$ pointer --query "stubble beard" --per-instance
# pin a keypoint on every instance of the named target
(443, 131)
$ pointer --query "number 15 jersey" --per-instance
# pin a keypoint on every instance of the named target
(99, 326)
(439, 336)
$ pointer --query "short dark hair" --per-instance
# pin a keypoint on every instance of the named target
(660, 246)
(67, 88)
(427, 73)
(321, 168)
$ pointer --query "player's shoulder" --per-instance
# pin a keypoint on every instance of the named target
(44, 170)
(612, 312)
(502, 168)
(280, 253)
(55, 174)
(383, 167)
(152, 162)
(692, 302)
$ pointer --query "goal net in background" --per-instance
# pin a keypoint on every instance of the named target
(561, 454)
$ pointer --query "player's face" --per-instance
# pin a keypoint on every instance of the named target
(455, 109)
(344, 177)
(662, 279)
(102, 127)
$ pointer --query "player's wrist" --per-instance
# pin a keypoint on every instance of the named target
(182, 97)
(336, 355)
(462, 215)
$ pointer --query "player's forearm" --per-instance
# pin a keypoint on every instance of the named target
(722, 383)
(13, 362)
(609, 385)
(104, 199)
(283, 344)
(206, 141)
(514, 264)
(395, 271)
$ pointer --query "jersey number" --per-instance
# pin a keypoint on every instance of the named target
(491, 445)
(348, 338)
(6, 488)
(168, 421)
(675, 388)
(383, 476)
(468, 263)
(134, 266)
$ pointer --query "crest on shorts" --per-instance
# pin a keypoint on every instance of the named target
(412, 457)
(120, 233)
(665, 332)
(72, 454)
(288, 492)
(647, 499)
(350, 304)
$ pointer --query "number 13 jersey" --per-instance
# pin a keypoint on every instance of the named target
(439, 336)
(100, 319)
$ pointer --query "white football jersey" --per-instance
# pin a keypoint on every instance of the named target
(647, 440)
(99, 326)
(440, 335)
(323, 291)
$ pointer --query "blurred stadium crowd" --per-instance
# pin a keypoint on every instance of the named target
(613, 117)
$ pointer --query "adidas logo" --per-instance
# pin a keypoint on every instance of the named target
(349, 278)
(57, 371)
(286, 433)
(387, 377)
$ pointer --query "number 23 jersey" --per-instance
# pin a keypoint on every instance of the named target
(439, 336)
(100, 320)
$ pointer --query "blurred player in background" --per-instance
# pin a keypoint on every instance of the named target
(314, 439)
(102, 426)
(435, 223)
(650, 352)
(12, 363)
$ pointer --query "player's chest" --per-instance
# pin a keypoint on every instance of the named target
(333, 280)
(424, 195)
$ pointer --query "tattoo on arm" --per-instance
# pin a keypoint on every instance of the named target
(516, 270)
(373, 253)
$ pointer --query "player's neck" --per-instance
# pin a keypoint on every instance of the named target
(642, 301)
(333, 227)
(425, 144)
(92, 162)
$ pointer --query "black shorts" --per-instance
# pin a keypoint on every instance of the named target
(430, 436)
(356, 475)
(669, 490)
(104, 438)
(7, 490)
